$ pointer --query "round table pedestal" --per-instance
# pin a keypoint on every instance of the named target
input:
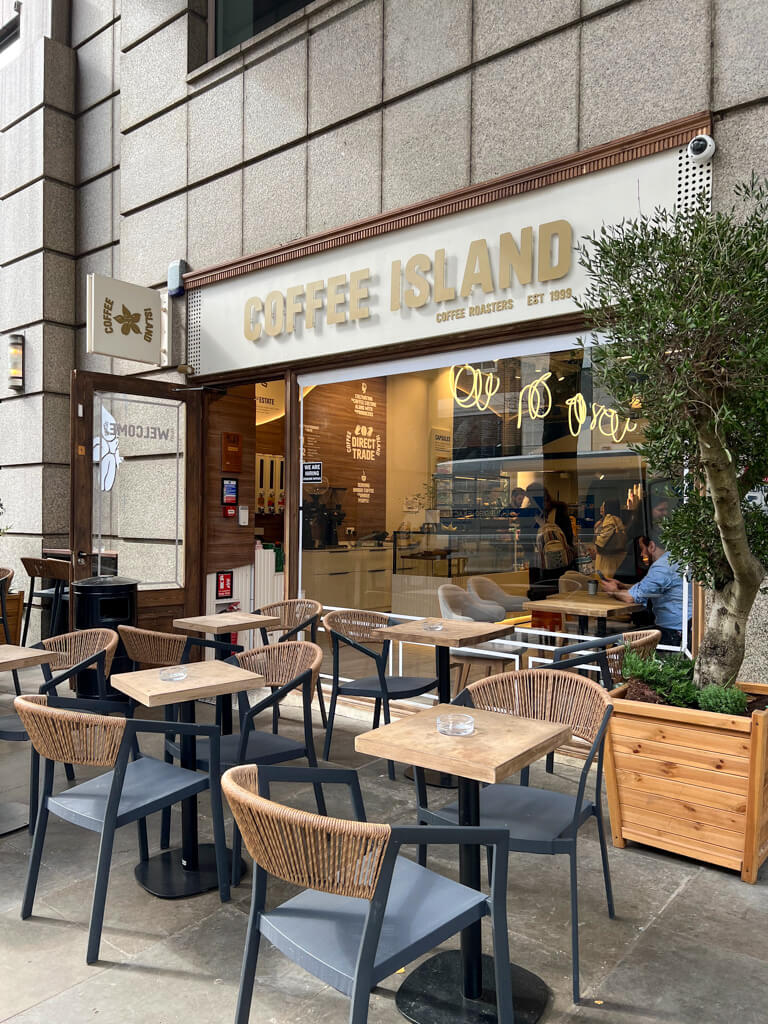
(432, 994)
(164, 876)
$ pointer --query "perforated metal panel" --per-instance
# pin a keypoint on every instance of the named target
(692, 179)
(194, 306)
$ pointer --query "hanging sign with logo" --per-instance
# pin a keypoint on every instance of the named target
(125, 321)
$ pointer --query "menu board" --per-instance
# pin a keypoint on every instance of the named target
(345, 429)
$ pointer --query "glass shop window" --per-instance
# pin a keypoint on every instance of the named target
(239, 20)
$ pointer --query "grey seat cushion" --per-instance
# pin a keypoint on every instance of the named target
(148, 786)
(12, 728)
(322, 932)
(397, 686)
(531, 816)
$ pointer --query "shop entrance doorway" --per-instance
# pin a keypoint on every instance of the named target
(135, 484)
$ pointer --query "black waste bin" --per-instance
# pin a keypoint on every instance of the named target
(104, 602)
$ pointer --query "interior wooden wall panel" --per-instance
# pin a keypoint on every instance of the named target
(331, 409)
(227, 544)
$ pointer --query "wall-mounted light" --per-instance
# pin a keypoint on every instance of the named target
(16, 361)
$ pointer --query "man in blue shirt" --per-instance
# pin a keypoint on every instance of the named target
(662, 585)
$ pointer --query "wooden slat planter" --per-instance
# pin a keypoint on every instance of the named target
(690, 782)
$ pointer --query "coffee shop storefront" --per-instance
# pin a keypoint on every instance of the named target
(398, 391)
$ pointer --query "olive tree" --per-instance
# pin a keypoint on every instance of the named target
(678, 305)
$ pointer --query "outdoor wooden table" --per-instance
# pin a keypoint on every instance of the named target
(499, 746)
(584, 605)
(176, 873)
(15, 815)
(443, 634)
(227, 622)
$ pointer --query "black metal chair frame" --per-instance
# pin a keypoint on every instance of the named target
(56, 595)
(311, 624)
(365, 976)
(128, 749)
(350, 690)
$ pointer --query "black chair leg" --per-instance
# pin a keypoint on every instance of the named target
(34, 789)
(237, 853)
(35, 858)
(574, 926)
(321, 702)
(604, 858)
(250, 958)
(329, 729)
(390, 764)
(28, 612)
(550, 763)
(525, 776)
(16, 684)
(376, 713)
(69, 771)
(100, 894)
(489, 862)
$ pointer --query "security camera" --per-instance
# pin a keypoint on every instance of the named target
(701, 149)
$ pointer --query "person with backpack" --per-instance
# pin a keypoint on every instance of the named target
(554, 538)
(610, 539)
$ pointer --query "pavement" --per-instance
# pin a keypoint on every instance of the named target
(687, 945)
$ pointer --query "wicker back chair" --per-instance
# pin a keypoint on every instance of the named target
(74, 737)
(280, 663)
(75, 731)
(295, 615)
(361, 630)
(69, 649)
(353, 943)
(541, 820)
(151, 649)
(547, 695)
(6, 576)
(643, 642)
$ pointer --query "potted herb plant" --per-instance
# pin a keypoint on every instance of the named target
(679, 310)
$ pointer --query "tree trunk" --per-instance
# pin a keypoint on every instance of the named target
(722, 647)
(721, 651)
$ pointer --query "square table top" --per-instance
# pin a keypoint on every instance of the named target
(227, 622)
(581, 603)
(500, 745)
(12, 657)
(204, 679)
(452, 632)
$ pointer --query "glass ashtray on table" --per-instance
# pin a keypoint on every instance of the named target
(454, 724)
(173, 675)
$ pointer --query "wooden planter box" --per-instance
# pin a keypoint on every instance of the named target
(691, 782)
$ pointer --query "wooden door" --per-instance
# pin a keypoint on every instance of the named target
(136, 483)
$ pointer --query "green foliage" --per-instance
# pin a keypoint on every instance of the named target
(3, 529)
(728, 700)
(681, 296)
(672, 679)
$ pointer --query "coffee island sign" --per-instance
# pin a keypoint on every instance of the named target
(500, 263)
(124, 320)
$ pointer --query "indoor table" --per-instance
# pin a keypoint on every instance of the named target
(584, 605)
(15, 815)
(176, 873)
(216, 625)
(457, 987)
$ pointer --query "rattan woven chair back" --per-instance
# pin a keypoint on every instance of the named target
(643, 642)
(280, 663)
(362, 627)
(547, 695)
(70, 648)
(152, 649)
(6, 576)
(310, 850)
(292, 613)
(73, 737)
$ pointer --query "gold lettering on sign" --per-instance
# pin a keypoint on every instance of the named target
(562, 231)
(292, 306)
(274, 314)
(251, 325)
(358, 293)
(512, 257)
(336, 298)
(417, 297)
(477, 269)
(314, 301)
(442, 292)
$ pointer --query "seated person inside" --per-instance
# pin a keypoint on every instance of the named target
(662, 586)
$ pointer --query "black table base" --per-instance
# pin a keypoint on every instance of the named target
(163, 875)
(432, 994)
(439, 779)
